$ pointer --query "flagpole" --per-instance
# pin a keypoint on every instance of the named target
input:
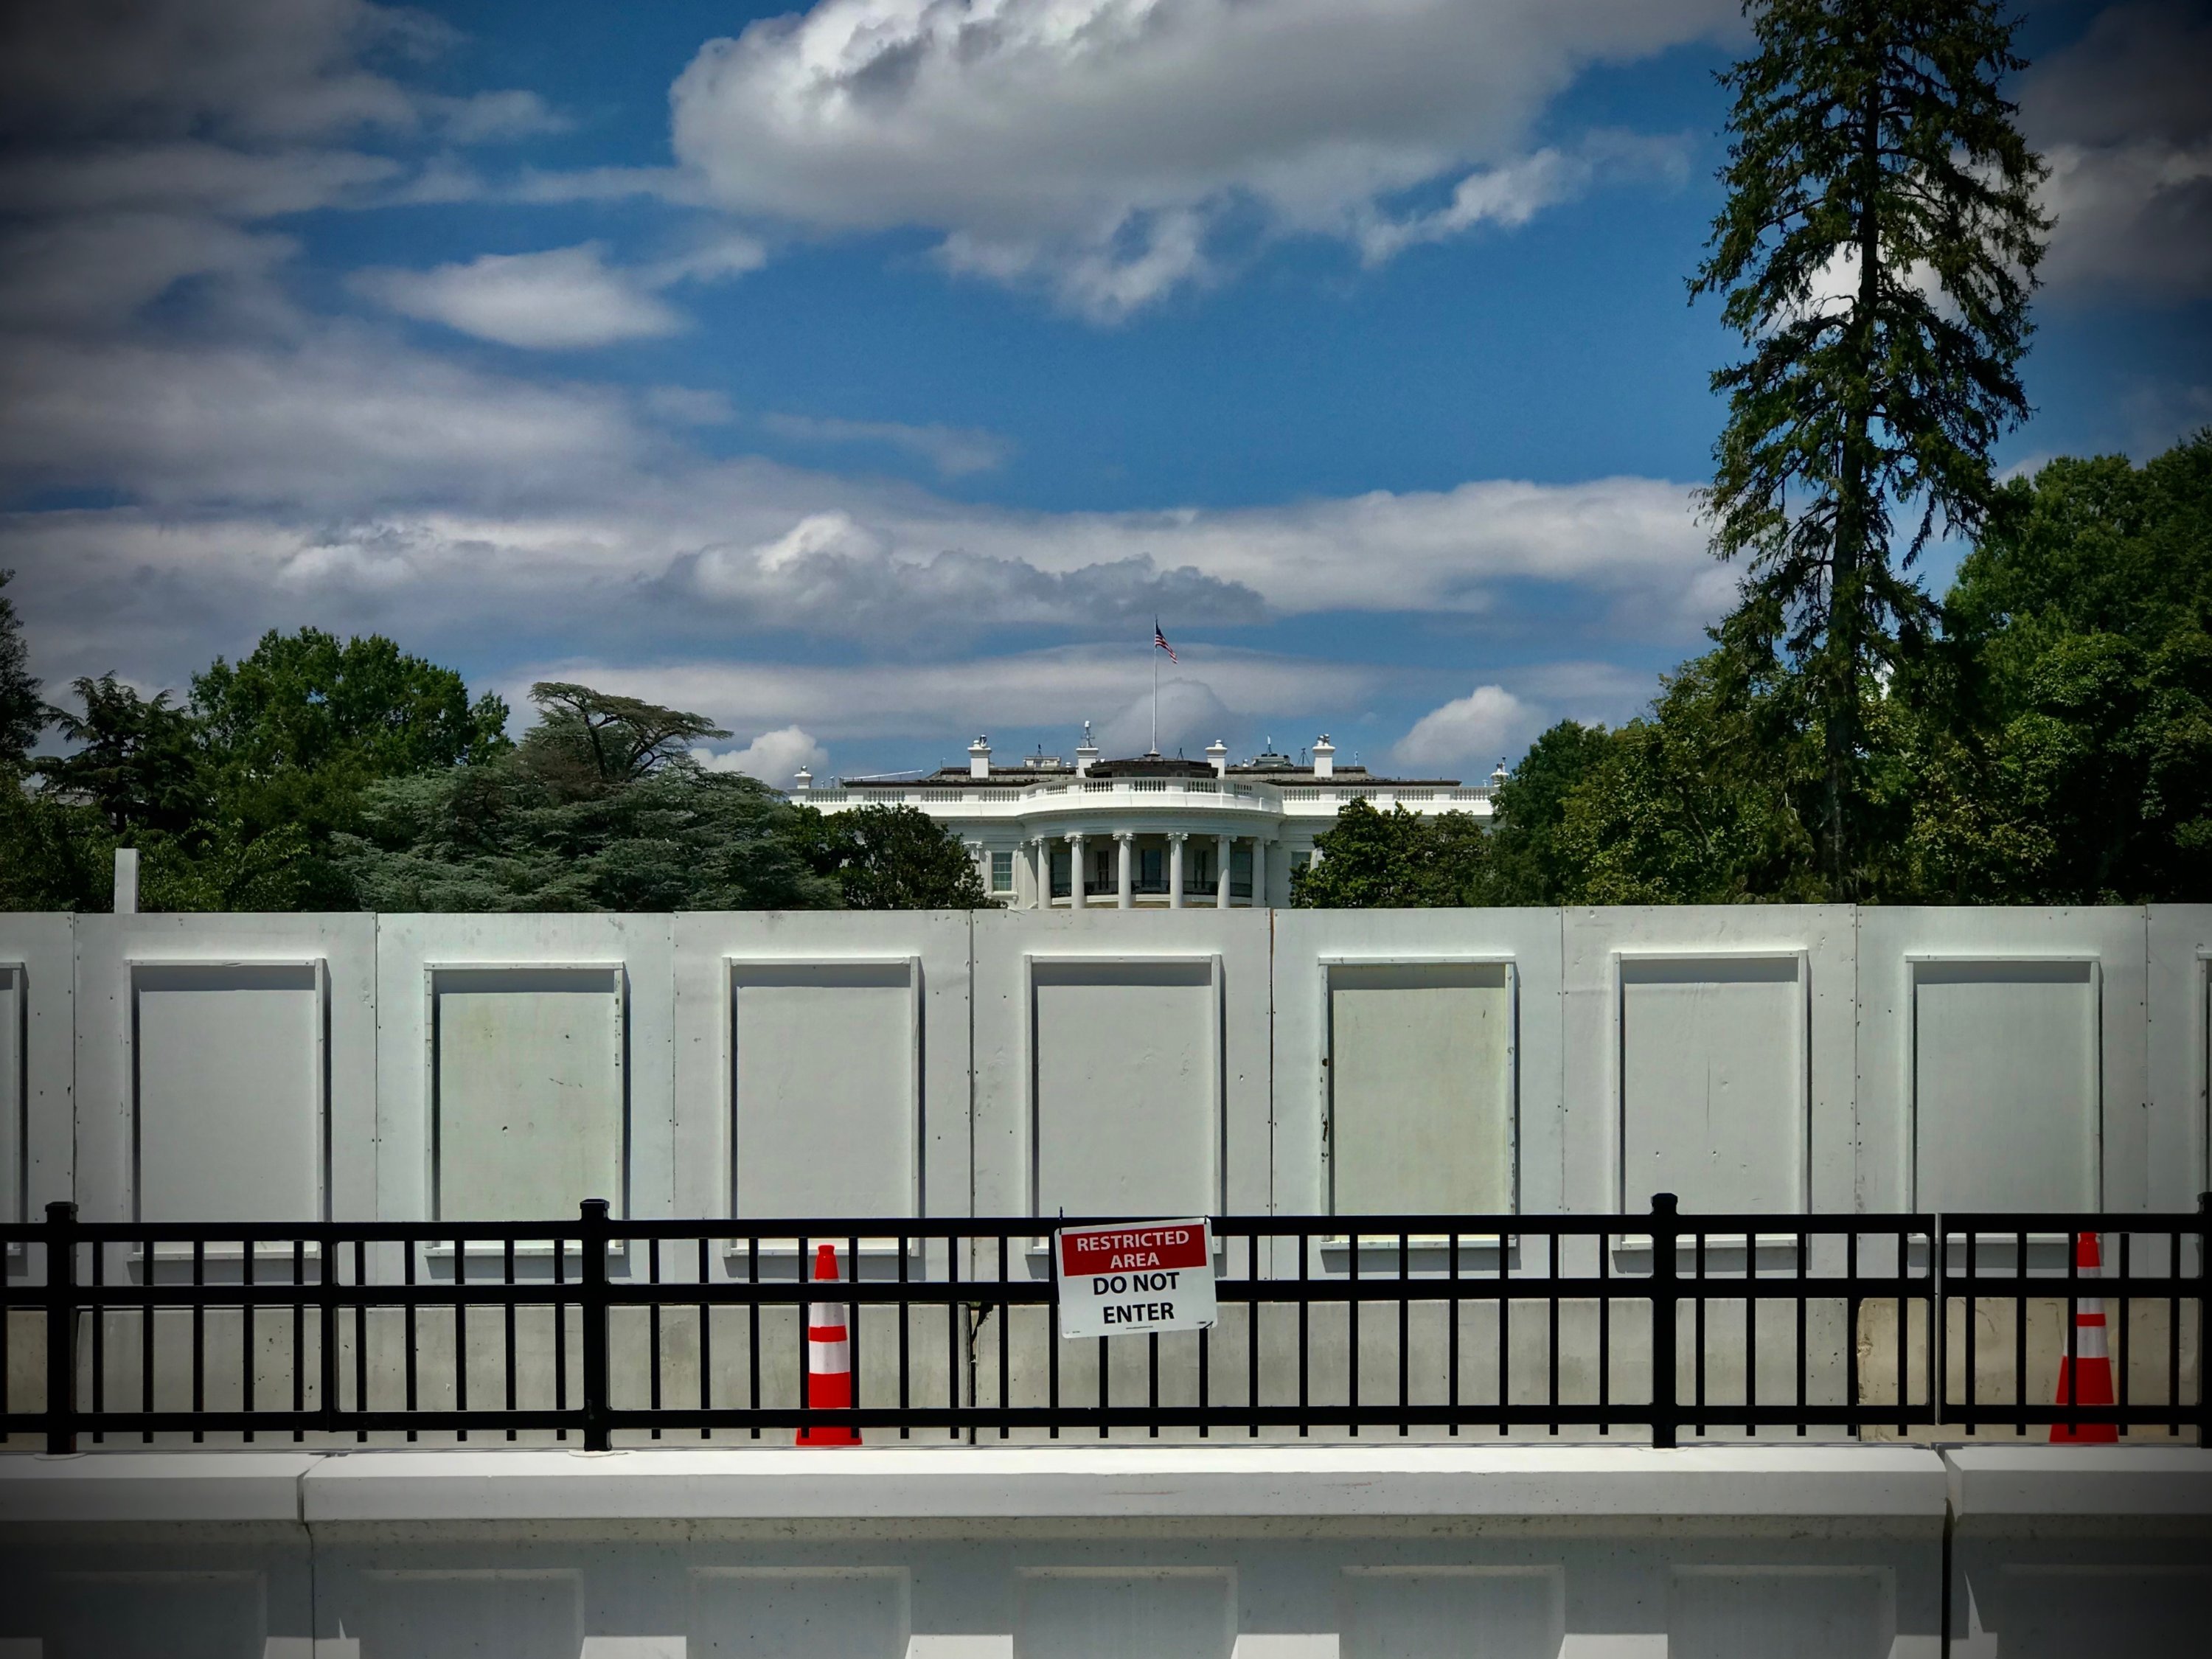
(1155, 654)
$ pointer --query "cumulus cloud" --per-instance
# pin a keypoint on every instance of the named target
(1093, 144)
(954, 451)
(773, 757)
(556, 301)
(1488, 722)
(2124, 119)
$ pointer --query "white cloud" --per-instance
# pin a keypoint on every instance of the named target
(1092, 144)
(2124, 119)
(559, 300)
(1490, 721)
(954, 451)
(773, 757)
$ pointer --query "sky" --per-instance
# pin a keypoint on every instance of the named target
(871, 376)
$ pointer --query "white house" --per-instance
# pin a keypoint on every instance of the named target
(1147, 832)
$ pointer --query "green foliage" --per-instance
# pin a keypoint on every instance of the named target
(137, 763)
(588, 740)
(1529, 865)
(1370, 859)
(22, 716)
(893, 858)
(1869, 142)
(503, 835)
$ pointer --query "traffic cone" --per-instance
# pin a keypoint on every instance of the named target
(2087, 1378)
(829, 1358)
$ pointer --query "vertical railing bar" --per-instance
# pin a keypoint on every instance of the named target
(1005, 1336)
(1305, 1345)
(1252, 1330)
(1665, 1425)
(1105, 1390)
(507, 1320)
(1851, 1327)
(2020, 1325)
(855, 1312)
(652, 1326)
(361, 1330)
(298, 1335)
(802, 1255)
(1804, 1256)
(409, 1335)
(955, 1350)
(905, 1313)
(146, 1336)
(246, 1310)
(199, 1335)
(1551, 1334)
(2173, 1340)
(1604, 1330)
(1451, 1327)
(1505, 1331)
(1750, 1330)
(1698, 1329)
(598, 1435)
(1351, 1341)
(461, 1330)
(61, 1328)
(1938, 1303)
(706, 1338)
(753, 1329)
(560, 1333)
(1972, 1323)
(1152, 1381)
(1405, 1335)
(2117, 1335)
(98, 1310)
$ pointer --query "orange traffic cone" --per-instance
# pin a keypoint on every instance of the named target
(2087, 1378)
(829, 1358)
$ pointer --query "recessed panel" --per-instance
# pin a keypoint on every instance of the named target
(528, 1074)
(13, 1124)
(1127, 1088)
(155, 1615)
(437, 1615)
(2004, 1086)
(228, 1091)
(1420, 1076)
(1811, 1615)
(1166, 1615)
(823, 1088)
(798, 1615)
(1423, 1615)
(1712, 1082)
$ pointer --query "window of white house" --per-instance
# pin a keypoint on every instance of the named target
(1202, 867)
(1240, 871)
(1002, 872)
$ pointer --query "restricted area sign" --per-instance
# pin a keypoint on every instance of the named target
(1134, 1278)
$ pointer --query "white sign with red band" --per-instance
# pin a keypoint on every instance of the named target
(1134, 1279)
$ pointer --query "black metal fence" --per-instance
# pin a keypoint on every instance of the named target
(604, 1331)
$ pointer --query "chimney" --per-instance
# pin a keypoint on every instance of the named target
(1324, 757)
(1217, 752)
(1086, 753)
(979, 759)
(802, 781)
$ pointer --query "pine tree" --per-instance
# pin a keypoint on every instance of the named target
(1876, 253)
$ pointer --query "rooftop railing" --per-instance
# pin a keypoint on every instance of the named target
(601, 1331)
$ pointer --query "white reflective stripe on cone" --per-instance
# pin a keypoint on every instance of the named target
(825, 1355)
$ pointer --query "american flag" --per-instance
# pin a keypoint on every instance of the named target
(1161, 641)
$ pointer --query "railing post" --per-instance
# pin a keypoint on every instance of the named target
(1664, 1233)
(597, 1437)
(2203, 1320)
(61, 1328)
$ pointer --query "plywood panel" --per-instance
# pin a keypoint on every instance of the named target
(1098, 1615)
(824, 1089)
(529, 1091)
(229, 1091)
(1712, 1082)
(1126, 1083)
(1420, 1087)
(2005, 1086)
(799, 1615)
(14, 1122)
(1428, 1614)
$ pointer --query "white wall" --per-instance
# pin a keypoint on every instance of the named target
(1761, 1057)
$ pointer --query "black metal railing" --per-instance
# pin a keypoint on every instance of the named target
(602, 1330)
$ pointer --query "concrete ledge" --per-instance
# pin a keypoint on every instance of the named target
(212, 1486)
(1989, 1481)
(985, 1482)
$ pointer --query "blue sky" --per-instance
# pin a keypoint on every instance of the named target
(870, 375)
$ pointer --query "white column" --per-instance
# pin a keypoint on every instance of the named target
(1221, 846)
(1041, 864)
(1075, 897)
(1258, 872)
(1175, 870)
(1124, 840)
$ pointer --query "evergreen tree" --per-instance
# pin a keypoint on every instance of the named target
(22, 716)
(893, 858)
(1876, 252)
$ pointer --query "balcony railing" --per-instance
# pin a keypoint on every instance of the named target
(601, 1331)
